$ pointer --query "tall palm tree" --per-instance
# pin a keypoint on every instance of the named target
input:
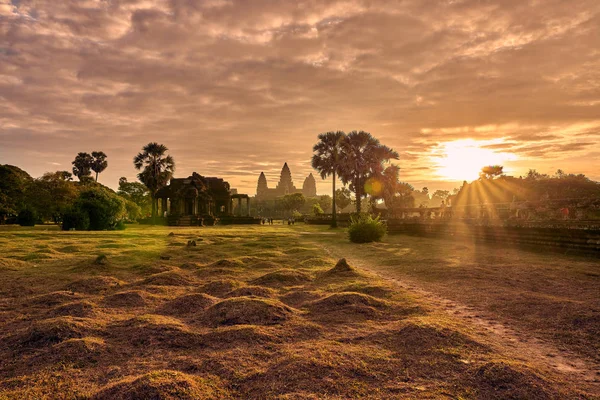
(363, 156)
(99, 162)
(327, 161)
(157, 170)
(82, 165)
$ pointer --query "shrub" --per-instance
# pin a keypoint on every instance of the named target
(317, 210)
(27, 218)
(364, 229)
(120, 226)
(134, 212)
(76, 219)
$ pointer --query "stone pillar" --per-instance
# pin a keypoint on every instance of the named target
(248, 206)
(195, 206)
(240, 206)
(164, 206)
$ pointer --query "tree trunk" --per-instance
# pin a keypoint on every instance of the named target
(96, 176)
(334, 211)
(358, 195)
(153, 210)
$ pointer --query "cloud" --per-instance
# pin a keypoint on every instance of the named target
(249, 85)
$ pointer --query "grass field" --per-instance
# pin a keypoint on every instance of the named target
(264, 312)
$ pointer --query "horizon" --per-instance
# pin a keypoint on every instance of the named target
(234, 89)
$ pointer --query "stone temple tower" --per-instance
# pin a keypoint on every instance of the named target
(285, 185)
(262, 188)
(309, 188)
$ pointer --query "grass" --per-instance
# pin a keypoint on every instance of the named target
(262, 312)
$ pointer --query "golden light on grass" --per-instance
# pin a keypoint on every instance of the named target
(463, 159)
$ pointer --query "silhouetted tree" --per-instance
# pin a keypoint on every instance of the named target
(158, 168)
(363, 156)
(82, 165)
(137, 193)
(491, 171)
(99, 162)
(293, 201)
(343, 197)
(327, 161)
(52, 195)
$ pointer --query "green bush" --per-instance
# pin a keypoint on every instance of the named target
(27, 218)
(364, 229)
(75, 218)
(317, 209)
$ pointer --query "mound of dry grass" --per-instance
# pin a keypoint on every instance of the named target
(341, 269)
(163, 385)
(220, 287)
(55, 330)
(316, 262)
(371, 290)
(167, 278)
(250, 291)
(78, 351)
(226, 263)
(129, 299)
(228, 337)
(298, 298)
(188, 305)
(81, 309)
(496, 380)
(53, 298)
(10, 264)
(347, 305)
(283, 277)
(265, 265)
(154, 330)
(96, 284)
(247, 311)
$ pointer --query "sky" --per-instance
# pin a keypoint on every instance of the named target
(236, 87)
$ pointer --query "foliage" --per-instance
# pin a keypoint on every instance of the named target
(363, 157)
(82, 165)
(137, 193)
(156, 168)
(297, 215)
(103, 207)
(327, 160)
(364, 229)
(491, 171)
(325, 202)
(293, 201)
(98, 163)
(13, 185)
(343, 197)
(52, 194)
(27, 217)
(317, 210)
(75, 218)
(134, 212)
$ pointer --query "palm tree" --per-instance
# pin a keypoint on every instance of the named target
(158, 169)
(99, 162)
(82, 165)
(363, 157)
(327, 160)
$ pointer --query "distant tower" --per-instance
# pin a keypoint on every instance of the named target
(285, 185)
(309, 188)
(262, 188)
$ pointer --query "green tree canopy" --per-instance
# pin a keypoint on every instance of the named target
(156, 168)
(82, 165)
(98, 163)
(327, 161)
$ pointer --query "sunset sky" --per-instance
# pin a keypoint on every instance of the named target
(237, 87)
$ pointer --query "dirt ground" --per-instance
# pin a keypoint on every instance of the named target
(261, 312)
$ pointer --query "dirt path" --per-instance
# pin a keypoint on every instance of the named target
(513, 342)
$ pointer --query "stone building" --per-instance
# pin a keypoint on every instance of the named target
(284, 186)
(198, 200)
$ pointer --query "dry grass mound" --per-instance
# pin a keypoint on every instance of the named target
(81, 352)
(55, 330)
(154, 330)
(167, 278)
(53, 298)
(496, 380)
(81, 309)
(220, 287)
(9, 264)
(237, 336)
(252, 291)
(265, 265)
(191, 304)
(129, 299)
(247, 311)
(347, 305)
(95, 284)
(316, 262)
(298, 298)
(371, 290)
(163, 385)
(226, 263)
(341, 269)
(284, 277)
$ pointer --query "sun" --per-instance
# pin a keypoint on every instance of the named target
(463, 159)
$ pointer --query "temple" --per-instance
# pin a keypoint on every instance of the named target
(199, 200)
(285, 186)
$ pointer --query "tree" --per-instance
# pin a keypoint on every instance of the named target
(327, 161)
(99, 206)
(158, 168)
(137, 193)
(13, 186)
(442, 194)
(363, 156)
(98, 163)
(491, 171)
(82, 166)
(293, 201)
(317, 210)
(52, 195)
(324, 202)
(343, 197)
(425, 190)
